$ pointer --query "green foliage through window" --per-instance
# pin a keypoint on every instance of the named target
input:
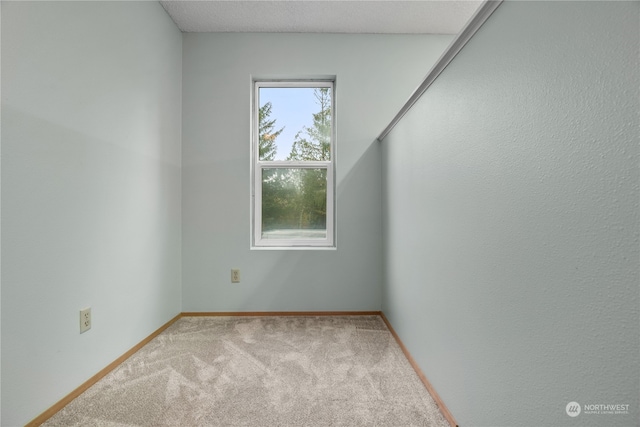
(294, 194)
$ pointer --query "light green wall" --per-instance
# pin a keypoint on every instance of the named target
(375, 74)
(94, 185)
(511, 218)
(509, 202)
(91, 122)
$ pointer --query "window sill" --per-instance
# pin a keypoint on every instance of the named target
(293, 248)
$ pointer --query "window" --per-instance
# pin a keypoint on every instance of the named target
(293, 158)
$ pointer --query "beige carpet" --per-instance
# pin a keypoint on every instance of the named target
(261, 371)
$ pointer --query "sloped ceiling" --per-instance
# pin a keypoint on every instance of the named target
(322, 16)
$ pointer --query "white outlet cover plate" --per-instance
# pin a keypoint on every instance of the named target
(235, 275)
(85, 319)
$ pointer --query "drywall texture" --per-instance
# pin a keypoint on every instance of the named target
(91, 109)
(370, 88)
(511, 219)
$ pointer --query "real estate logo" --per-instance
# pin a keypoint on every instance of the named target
(573, 409)
(606, 409)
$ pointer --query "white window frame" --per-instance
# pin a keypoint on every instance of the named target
(257, 165)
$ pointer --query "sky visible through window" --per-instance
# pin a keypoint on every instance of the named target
(291, 108)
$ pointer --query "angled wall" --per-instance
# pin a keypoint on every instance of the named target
(370, 88)
(511, 218)
(91, 123)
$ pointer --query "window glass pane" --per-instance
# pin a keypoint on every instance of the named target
(294, 123)
(294, 203)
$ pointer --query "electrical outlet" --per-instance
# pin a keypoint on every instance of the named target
(85, 319)
(235, 275)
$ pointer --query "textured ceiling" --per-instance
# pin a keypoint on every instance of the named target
(322, 16)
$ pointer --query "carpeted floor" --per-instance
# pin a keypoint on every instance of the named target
(261, 371)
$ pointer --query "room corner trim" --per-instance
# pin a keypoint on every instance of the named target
(432, 391)
(94, 379)
(37, 421)
(279, 313)
(40, 419)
